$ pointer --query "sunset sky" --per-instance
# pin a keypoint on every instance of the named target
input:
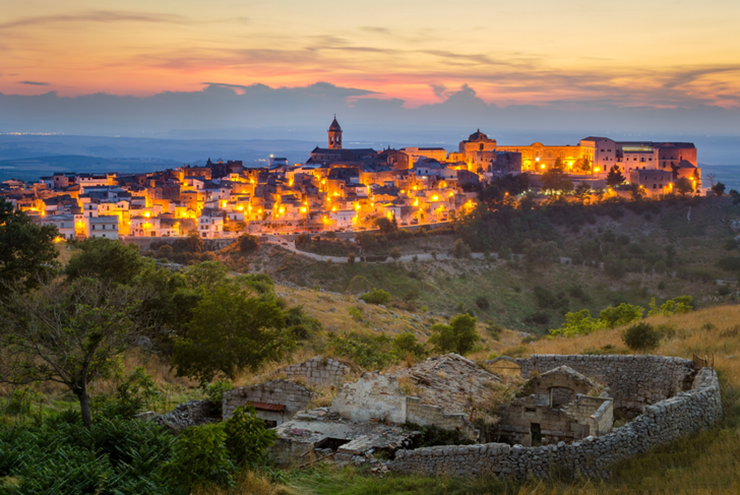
(656, 53)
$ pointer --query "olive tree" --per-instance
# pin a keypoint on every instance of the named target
(67, 333)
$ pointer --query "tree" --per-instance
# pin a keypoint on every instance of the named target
(578, 323)
(555, 179)
(67, 333)
(395, 253)
(461, 250)
(636, 191)
(27, 251)
(376, 296)
(540, 253)
(231, 330)
(615, 177)
(385, 225)
(621, 315)
(583, 191)
(718, 189)
(106, 259)
(351, 257)
(459, 336)
(683, 186)
(248, 243)
(582, 165)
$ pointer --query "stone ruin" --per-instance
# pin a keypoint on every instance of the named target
(276, 401)
(318, 371)
(668, 398)
(558, 405)
(562, 419)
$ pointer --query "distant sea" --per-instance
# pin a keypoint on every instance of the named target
(729, 175)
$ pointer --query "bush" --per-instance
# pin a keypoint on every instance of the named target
(376, 296)
(247, 437)
(215, 392)
(461, 250)
(130, 397)
(368, 351)
(200, 458)
(432, 435)
(406, 343)
(459, 336)
(482, 302)
(494, 329)
(621, 315)
(248, 243)
(641, 337)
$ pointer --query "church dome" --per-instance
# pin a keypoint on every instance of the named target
(477, 136)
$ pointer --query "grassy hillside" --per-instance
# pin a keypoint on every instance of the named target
(707, 462)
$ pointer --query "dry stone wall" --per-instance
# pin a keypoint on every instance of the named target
(318, 371)
(659, 423)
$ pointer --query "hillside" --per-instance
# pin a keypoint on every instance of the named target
(667, 250)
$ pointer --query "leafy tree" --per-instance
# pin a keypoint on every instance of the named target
(395, 253)
(459, 336)
(641, 337)
(583, 165)
(677, 305)
(494, 194)
(68, 333)
(27, 251)
(376, 296)
(615, 177)
(461, 250)
(540, 253)
(683, 186)
(248, 243)
(578, 323)
(406, 343)
(637, 192)
(385, 225)
(621, 315)
(205, 275)
(231, 330)
(582, 191)
(555, 179)
(106, 259)
(351, 257)
(718, 189)
(247, 437)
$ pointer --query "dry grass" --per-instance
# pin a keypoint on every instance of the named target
(248, 483)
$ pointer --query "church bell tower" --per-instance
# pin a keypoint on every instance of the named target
(335, 135)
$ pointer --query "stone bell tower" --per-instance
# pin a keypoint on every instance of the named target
(335, 135)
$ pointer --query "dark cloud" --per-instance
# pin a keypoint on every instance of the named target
(102, 16)
(34, 83)
(308, 109)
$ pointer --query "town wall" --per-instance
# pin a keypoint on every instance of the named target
(318, 371)
(660, 423)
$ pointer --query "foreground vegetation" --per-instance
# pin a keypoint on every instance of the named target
(111, 334)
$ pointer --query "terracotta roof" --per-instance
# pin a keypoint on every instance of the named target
(264, 406)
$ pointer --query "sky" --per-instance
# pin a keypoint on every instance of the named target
(658, 61)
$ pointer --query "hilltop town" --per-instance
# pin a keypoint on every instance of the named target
(340, 189)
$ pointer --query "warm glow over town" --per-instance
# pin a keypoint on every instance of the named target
(340, 189)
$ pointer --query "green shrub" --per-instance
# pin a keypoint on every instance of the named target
(494, 329)
(432, 435)
(366, 350)
(406, 343)
(729, 263)
(248, 243)
(621, 315)
(356, 314)
(132, 394)
(200, 458)
(376, 296)
(247, 437)
(459, 336)
(578, 323)
(215, 392)
(482, 302)
(641, 337)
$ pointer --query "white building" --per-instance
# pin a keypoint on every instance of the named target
(106, 227)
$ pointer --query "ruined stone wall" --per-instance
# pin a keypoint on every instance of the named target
(660, 423)
(633, 381)
(428, 414)
(318, 371)
(375, 397)
(293, 396)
